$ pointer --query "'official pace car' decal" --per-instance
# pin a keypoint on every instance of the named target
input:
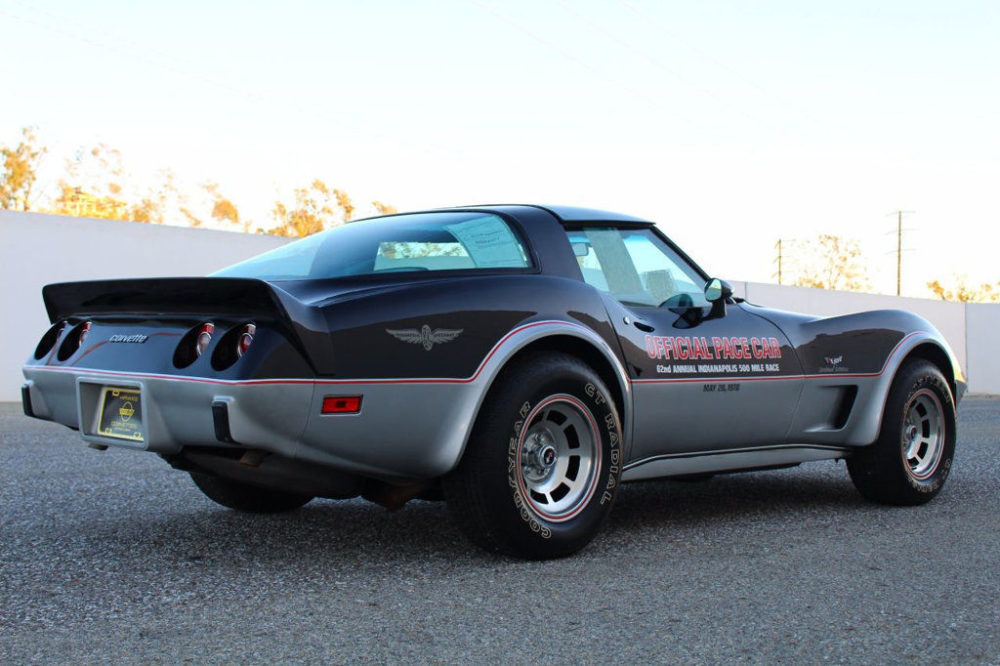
(425, 335)
(714, 356)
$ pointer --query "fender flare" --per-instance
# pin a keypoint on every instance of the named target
(868, 422)
(526, 334)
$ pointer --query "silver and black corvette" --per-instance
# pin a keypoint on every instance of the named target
(519, 362)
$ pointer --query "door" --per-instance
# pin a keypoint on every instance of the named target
(705, 376)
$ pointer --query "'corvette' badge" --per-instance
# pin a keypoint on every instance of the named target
(425, 336)
(133, 339)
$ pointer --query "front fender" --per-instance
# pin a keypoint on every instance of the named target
(867, 421)
(859, 353)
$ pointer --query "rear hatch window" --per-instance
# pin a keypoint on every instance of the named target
(442, 241)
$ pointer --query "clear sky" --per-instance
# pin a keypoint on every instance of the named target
(731, 123)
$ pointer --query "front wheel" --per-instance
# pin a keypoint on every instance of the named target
(911, 459)
(246, 497)
(540, 471)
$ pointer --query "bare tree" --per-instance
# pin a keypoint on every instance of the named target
(94, 186)
(314, 208)
(961, 290)
(20, 171)
(831, 262)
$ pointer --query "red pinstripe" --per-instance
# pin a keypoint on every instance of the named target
(468, 380)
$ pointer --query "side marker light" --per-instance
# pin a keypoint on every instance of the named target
(341, 404)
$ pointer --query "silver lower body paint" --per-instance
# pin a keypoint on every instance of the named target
(406, 430)
(403, 431)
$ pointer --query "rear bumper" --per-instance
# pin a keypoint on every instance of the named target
(26, 401)
(176, 412)
(404, 430)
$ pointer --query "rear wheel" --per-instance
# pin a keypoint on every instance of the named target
(911, 459)
(246, 497)
(540, 471)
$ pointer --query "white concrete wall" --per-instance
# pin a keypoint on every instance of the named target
(947, 317)
(982, 335)
(36, 250)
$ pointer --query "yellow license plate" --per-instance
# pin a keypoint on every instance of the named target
(121, 414)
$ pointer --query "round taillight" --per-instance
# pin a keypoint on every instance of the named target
(84, 330)
(204, 338)
(48, 341)
(73, 340)
(245, 340)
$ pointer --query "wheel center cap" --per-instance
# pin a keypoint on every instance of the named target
(911, 432)
(540, 455)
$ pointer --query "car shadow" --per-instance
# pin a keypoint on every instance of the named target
(733, 496)
(364, 536)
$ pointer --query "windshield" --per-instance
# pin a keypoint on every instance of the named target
(419, 242)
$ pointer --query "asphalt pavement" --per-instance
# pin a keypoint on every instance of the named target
(113, 557)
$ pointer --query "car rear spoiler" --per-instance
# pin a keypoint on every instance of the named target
(202, 296)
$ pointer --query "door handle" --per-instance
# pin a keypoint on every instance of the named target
(641, 325)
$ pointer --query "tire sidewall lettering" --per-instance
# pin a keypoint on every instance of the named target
(884, 471)
(608, 430)
(933, 483)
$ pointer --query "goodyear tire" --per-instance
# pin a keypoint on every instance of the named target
(543, 462)
(910, 461)
(246, 497)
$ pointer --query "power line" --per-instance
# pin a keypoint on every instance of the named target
(646, 18)
(789, 107)
(116, 44)
(652, 103)
(656, 62)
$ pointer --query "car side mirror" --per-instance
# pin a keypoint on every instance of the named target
(717, 292)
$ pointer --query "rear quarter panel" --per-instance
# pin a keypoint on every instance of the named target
(420, 401)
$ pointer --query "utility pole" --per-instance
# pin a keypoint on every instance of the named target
(899, 251)
(899, 248)
(779, 260)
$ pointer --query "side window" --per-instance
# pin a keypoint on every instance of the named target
(636, 267)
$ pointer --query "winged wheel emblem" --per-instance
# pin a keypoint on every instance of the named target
(425, 335)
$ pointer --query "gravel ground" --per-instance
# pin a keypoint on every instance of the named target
(114, 557)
